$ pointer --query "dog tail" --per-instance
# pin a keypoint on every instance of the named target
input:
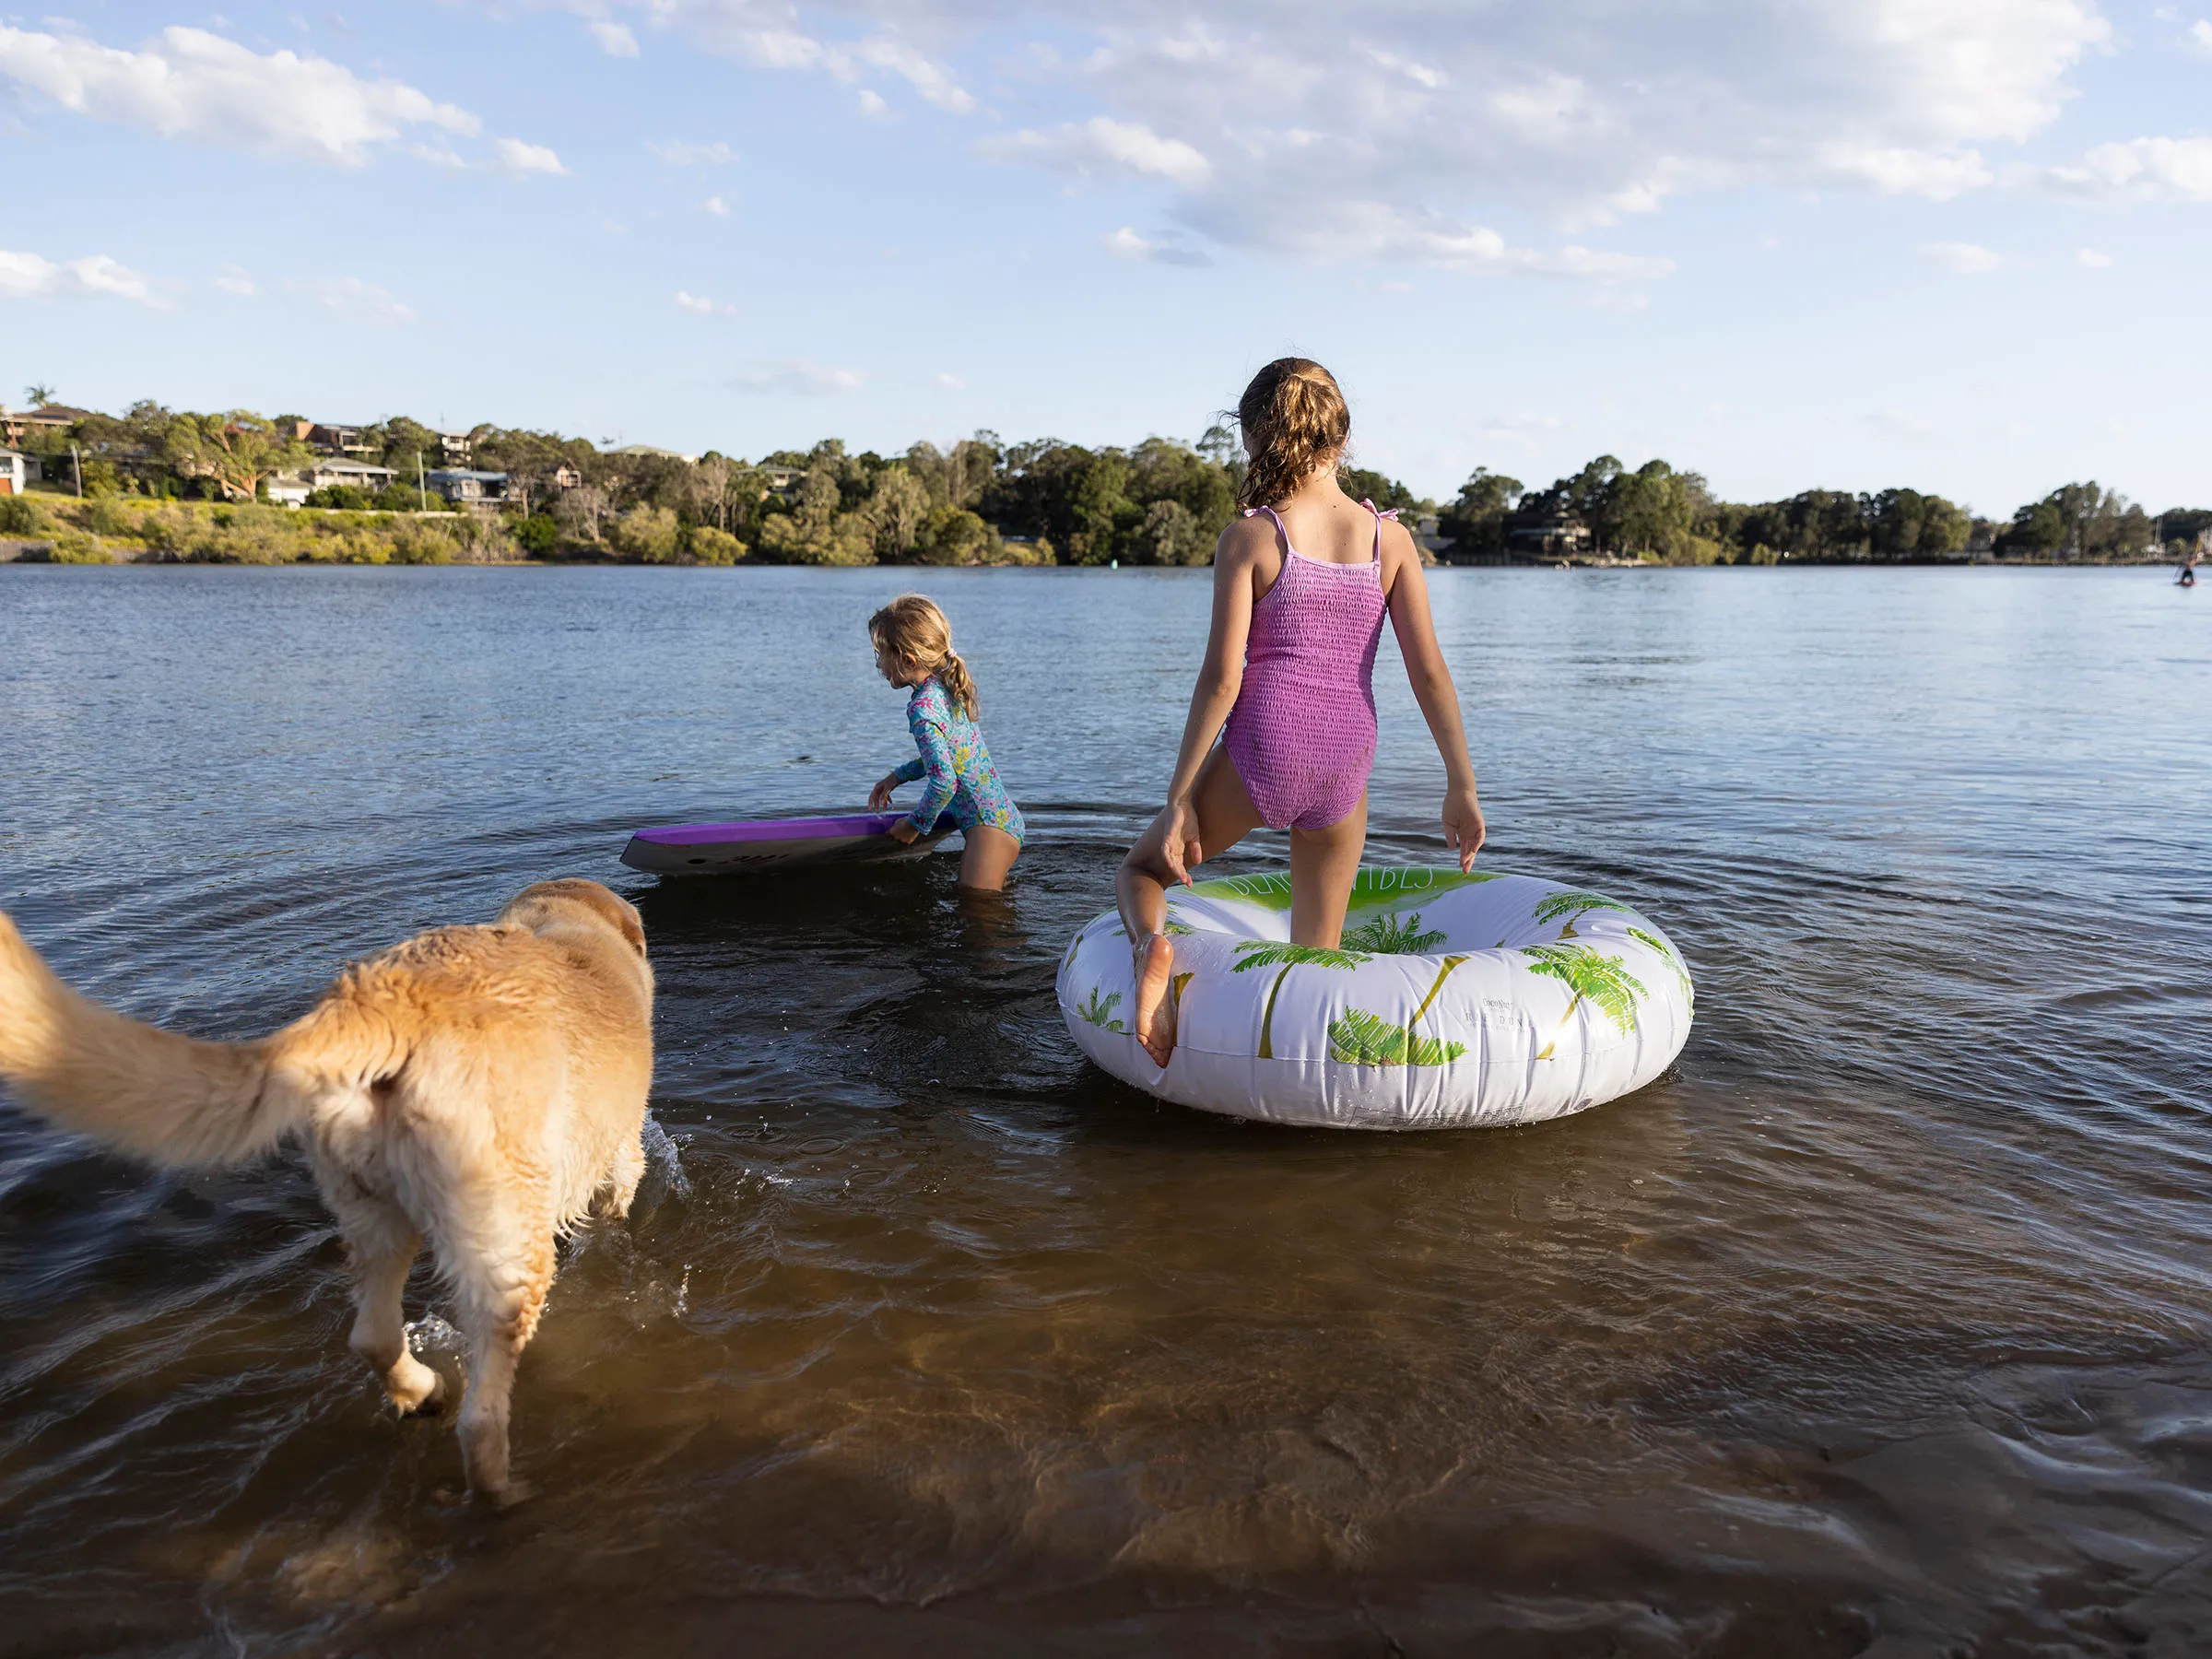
(169, 1098)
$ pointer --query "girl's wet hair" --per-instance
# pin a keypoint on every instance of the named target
(1294, 420)
(912, 629)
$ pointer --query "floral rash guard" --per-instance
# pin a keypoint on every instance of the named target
(955, 763)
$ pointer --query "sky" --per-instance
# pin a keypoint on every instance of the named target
(1960, 245)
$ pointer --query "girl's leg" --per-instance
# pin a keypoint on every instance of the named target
(1225, 816)
(986, 854)
(1324, 864)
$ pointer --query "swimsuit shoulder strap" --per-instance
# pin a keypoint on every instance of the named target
(1280, 529)
(1392, 515)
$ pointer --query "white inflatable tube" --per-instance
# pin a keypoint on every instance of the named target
(1455, 1000)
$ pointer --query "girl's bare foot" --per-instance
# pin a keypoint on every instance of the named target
(1155, 1013)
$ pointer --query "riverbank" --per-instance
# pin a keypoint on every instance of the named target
(125, 530)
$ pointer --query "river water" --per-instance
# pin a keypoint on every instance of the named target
(1880, 1323)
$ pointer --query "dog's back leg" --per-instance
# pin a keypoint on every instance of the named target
(381, 1247)
(623, 1179)
(503, 1292)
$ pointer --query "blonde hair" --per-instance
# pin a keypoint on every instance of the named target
(1294, 422)
(912, 629)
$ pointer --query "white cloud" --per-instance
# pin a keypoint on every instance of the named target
(615, 39)
(796, 376)
(519, 158)
(187, 83)
(2142, 170)
(2089, 259)
(2200, 36)
(1418, 123)
(33, 276)
(681, 153)
(1937, 175)
(233, 280)
(717, 207)
(359, 301)
(1962, 259)
(952, 382)
(697, 305)
(1127, 243)
(873, 106)
(1103, 146)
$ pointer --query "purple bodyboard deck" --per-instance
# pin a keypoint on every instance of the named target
(774, 843)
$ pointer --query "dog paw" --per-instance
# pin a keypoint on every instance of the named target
(507, 1498)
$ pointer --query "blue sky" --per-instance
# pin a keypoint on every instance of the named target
(1959, 244)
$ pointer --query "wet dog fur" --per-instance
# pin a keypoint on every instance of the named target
(482, 1088)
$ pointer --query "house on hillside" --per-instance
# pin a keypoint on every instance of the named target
(782, 480)
(332, 439)
(1545, 531)
(567, 478)
(292, 490)
(466, 489)
(18, 424)
(648, 449)
(18, 472)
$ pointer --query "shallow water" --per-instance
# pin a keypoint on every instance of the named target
(1881, 1324)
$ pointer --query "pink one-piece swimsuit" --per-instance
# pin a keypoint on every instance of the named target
(1302, 732)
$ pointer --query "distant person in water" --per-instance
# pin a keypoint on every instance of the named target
(914, 649)
(1301, 584)
(2188, 576)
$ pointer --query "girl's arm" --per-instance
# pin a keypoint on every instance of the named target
(1220, 678)
(936, 764)
(879, 797)
(1409, 619)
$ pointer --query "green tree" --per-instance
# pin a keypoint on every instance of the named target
(897, 507)
(537, 534)
(646, 533)
(1475, 523)
(238, 452)
(1170, 536)
(37, 395)
(709, 545)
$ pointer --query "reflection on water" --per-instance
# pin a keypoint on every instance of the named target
(1883, 1316)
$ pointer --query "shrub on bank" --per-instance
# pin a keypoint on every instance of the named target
(647, 533)
(20, 515)
(713, 546)
(77, 546)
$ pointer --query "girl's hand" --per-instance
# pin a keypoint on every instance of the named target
(904, 833)
(1172, 843)
(1464, 828)
(879, 797)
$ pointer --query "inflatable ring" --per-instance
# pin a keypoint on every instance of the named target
(1454, 999)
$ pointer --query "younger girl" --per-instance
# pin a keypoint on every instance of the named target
(1298, 597)
(913, 648)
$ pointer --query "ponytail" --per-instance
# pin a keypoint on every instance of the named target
(1294, 422)
(954, 674)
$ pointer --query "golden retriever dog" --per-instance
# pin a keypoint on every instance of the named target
(479, 1087)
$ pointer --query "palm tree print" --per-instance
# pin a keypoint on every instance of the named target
(1600, 980)
(1393, 935)
(1265, 953)
(1100, 1013)
(1374, 885)
(1359, 1038)
(1689, 991)
(1570, 905)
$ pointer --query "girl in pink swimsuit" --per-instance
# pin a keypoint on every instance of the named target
(1289, 685)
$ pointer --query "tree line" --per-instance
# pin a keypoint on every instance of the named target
(1655, 512)
(984, 501)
